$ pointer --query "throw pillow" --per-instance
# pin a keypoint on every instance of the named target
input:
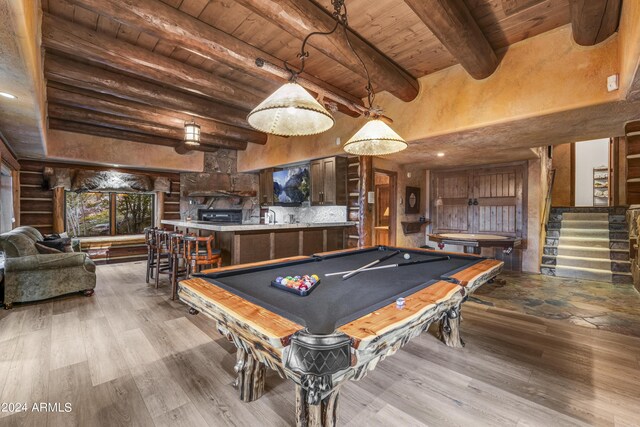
(43, 249)
(58, 244)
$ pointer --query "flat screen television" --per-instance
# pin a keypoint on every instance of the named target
(291, 186)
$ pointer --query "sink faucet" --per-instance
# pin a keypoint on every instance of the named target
(271, 211)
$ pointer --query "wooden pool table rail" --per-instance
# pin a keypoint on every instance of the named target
(226, 307)
(375, 324)
(471, 277)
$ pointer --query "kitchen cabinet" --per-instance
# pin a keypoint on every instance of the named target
(266, 187)
(329, 181)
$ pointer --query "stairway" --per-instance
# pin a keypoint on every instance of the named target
(588, 243)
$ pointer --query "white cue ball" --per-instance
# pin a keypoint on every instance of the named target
(407, 256)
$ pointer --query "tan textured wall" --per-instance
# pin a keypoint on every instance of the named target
(561, 195)
(532, 80)
(88, 149)
(22, 120)
(629, 35)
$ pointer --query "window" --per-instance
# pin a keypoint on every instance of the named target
(134, 212)
(108, 214)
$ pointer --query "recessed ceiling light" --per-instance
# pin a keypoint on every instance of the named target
(440, 154)
(8, 95)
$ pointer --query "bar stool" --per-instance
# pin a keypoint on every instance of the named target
(201, 253)
(150, 241)
(162, 250)
(177, 256)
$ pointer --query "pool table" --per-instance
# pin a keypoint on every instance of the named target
(344, 327)
(473, 243)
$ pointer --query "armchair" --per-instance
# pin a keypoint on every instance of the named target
(30, 276)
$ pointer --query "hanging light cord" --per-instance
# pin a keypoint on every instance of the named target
(341, 18)
(371, 96)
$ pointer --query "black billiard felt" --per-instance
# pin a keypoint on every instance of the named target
(336, 301)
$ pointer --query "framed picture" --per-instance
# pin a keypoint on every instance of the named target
(412, 201)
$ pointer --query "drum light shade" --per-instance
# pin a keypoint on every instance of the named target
(290, 111)
(191, 133)
(375, 138)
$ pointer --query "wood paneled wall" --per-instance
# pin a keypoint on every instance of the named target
(36, 200)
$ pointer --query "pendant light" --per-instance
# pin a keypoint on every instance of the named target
(290, 111)
(192, 133)
(375, 138)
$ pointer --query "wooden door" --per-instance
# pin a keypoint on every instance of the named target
(451, 201)
(329, 188)
(497, 200)
(316, 170)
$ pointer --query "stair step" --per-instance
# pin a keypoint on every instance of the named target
(584, 232)
(577, 216)
(593, 252)
(583, 223)
(597, 263)
(622, 244)
(580, 273)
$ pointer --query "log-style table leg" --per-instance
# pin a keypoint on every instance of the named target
(251, 376)
(450, 328)
(324, 414)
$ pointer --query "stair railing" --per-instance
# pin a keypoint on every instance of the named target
(547, 202)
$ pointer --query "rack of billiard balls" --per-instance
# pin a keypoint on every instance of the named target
(299, 285)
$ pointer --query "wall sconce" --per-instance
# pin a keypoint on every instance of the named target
(191, 133)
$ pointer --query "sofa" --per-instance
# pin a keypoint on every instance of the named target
(32, 276)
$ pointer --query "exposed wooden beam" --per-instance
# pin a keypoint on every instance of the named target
(88, 77)
(133, 125)
(74, 97)
(88, 129)
(452, 23)
(301, 17)
(181, 148)
(63, 36)
(593, 21)
(174, 26)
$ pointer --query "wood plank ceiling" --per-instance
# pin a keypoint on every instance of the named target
(112, 75)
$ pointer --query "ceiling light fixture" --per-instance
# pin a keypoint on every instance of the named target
(441, 154)
(191, 133)
(8, 95)
(292, 111)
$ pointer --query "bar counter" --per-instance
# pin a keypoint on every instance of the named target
(243, 243)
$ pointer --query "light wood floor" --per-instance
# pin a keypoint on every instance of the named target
(129, 356)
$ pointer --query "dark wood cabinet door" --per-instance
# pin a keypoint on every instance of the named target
(329, 185)
(266, 187)
(316, 170)
(498, 192)
(451, 201)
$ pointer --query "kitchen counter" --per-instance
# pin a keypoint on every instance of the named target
(243, 243)
(204, 225)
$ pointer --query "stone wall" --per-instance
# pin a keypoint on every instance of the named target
(220, 186)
